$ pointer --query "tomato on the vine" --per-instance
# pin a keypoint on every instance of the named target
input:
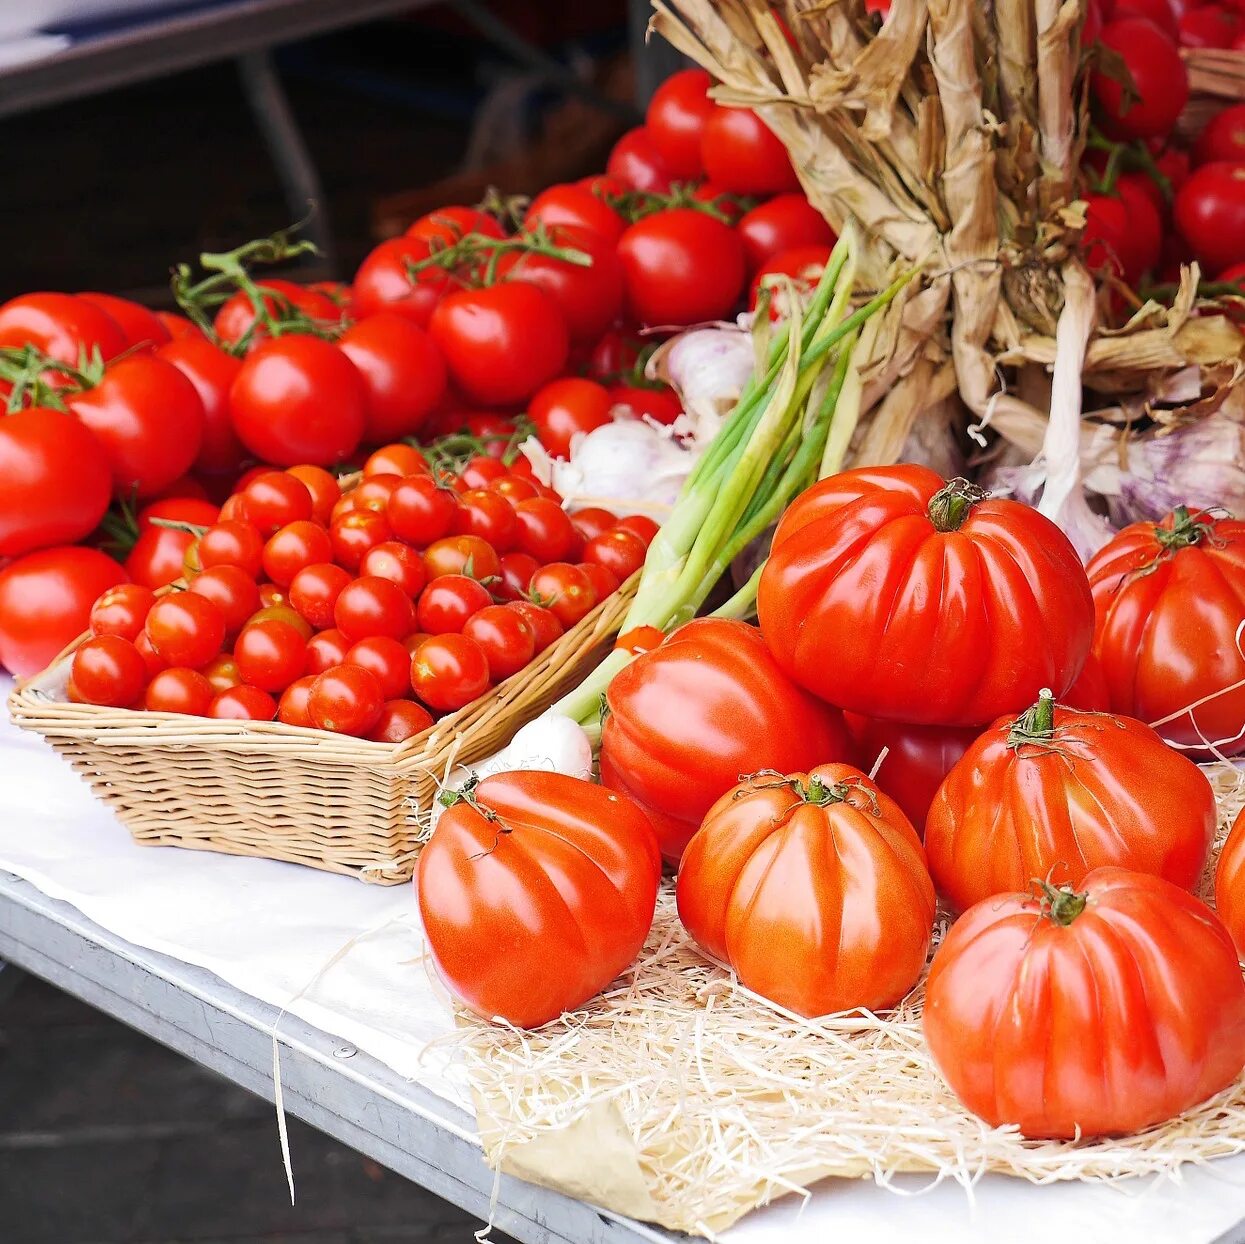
(61, 326)
(675, 120)
(576, 206)
(384, 281)
(403, 374)
(636, 162)
(236, 317)
(447, 225)
(742, 155)
(141, 326)
(783, 223)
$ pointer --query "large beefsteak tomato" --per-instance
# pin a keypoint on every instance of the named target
(1230, 883)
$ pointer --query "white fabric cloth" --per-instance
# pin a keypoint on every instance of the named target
(269, 928)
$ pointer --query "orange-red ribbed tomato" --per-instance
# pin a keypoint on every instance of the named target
(813, 887)
(1056, 793)
(891, 593)
(536, 890)
(1230, 883)
(1105, 1011)
(686, 719)
(1170, 601)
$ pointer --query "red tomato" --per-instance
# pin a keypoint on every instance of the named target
(517, 570)
(743, 156)
(641, 525)
(327, 651)
(872, 567)
(481, 471)
(657, 402)
(186, 629)
(686, 719)
(803, 264)
(485, 514)
(271, 653)
(57, 481)
(615, 355)
(179, 690)
(576, 206)
(221, 672)
(620, 551)
(323, 487)
(1208, 27)
(1210, 213)
(566, 590)
(295, 547)
(448, 601)
(292, 707)
(355, 534)
(274, 499)
(400, 459)
(397, 562)
(236, 317)
(420, 510)
(61, 326)
(513, 489)
(675, 121)
(636, 162)
(1104, 240)
(400, 720)
(149, 420)
(501, 343)
(448, 225)
(177, 326)
(544, 531)
(1159, 74)
(373, 606)
(1089, 693)
(544, 622)
(604, 582)
(232, 591)
(916, 759)
(449, 671)
(1161, 12)
(403, 374)
(813, 888)
(468, 555)
(153, 660)
(387, 660)
(680, 267)
(232, 542)
(1170, 600)
(212, 372)
(506, 637)
(242, 704)
(1144, 235)
(108, 670)
(373, 493)
(1223, 139)
(384, 281)
(592, 521)
(1230, 884)
(786, 222)
(142, 329)
(121, 611)
(346, 701)
(159, 554)
(1090, 1014)
(565, 408)
(1057, 793)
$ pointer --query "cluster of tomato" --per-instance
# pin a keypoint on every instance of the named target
(365, 612)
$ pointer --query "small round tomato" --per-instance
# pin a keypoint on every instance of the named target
(448, 225)
(400, 720)
(109, 670)
(403, 374)
(592, 521)
(517, 570)
(604, 582)
(384, 281)
(158, 557)
(636, 162)
(232, 542)
(1159, 74)
(236, 317)
(545, 531)
(804, 266)
(212, 371)
(546, 627)
(675, 120)
(272, 499)
(347, 700)
(151, 658)
(397, 459)
(292, 707)
(467, 555)
(449, 671)
(513, 489)
(506, 637)
(242, 703)
(1208, 26)
(355, 533)
(566, 408)
(420, 510)
(222, 673)
(61, 326)
(658, 402)
(143, 331)
(387, 660)
(186, 629)
(1210, 213)
(122, 610)
(1230, 883)
(578, 207)
(564, 589)
(483, 470)
(742, 155)
(448, 601)
(270, 653)
(783, 223)
(486, 515)
(1223, 139)
(179, 690)
(373, 606)
(279, 611)
(620, 551)
(326, 651)
(642, 526)
(295, 547)
(397, 562)
(322, 485)
(232, 591)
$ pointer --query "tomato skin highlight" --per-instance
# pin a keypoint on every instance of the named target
(1126, 1016)
(347, 700)
(121, 610)
(61, 326)
(636, 162)
(400, 720)
(242, 703)
(179, 690)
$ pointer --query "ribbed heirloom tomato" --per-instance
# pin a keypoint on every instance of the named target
(1230, 883)
(1056, 793)
(813, 887)
(536, 890)
(1090, 1013)
(891, 593)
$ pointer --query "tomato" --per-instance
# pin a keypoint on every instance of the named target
(327, 651)
(232, 591)
(1223, 139)
(481, 471)
(1090, 692)
(45, 602)
(384, 283)
(501, 343)
(221, 673)
(1162, 13)
(1144, 205)
(236, 317)
(387, 660)
(399, 459)
(680, 267)
(513, 489)
(373, 606)
(743, 156)
(142, 329)
(544, 622)
(544, 532)
(1057, 793)
(57, 481)
(397, 562)
(578, 207)
(620, 551)
(675, 120)
(641, 525)
(179, 690)
(1208, 27)
(400, 720)
(506, 637)
(890, 593)
(566, 408)
(615, 355)
(448, 225)
(1230, 883)
(274, 499)
(148, 417)
(1170, 600)
(322, 486)
(592, 521)
(1086, 1014)
(566, 590)
(517, 570)
(292, 707)
(295, 547)
(232, 542)
(420, 510)
(449, 671)
(154, 661)
(560, 872)
(1158, 72)
(403, 374)
(347, 700)
(1210, 213)
(186, 629)
(786, 222)
(485, 514)
(108, 670)
(212, 372)
(354, 535)
(159, 554)
(242, 704)
(804, 265)
(468, 555)
(1104, 239)
(121, 611)
(448, 601)
(604, 582)
(61, 326)
(270, 653)
(709, 704)
(178, 327)
(813, 887)
(636, 162)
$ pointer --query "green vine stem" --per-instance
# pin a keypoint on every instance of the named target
(1036, 724)
(950, 505)
(1061, 904)
(474, 251)
(1184, 532)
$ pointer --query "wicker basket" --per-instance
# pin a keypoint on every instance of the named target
(1216, 80)
(288, 793)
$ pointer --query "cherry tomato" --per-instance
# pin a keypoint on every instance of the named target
(565, 408)
(270, 653)
(786, 222)
(643, 526)
(485, 514)
(636, 162)
(546, 628)
(466, 555)
(387, 660)
(151, 658)
(373, 606)
(384, 282)
(675, 121)
(177, 326)
(232, 591)
(803, 264)
(142, 329)
(212, 372)
(242, 703)
(1143, 239)
(236, 317)
(179, 690)
(420, 510)
(347, 700)
(481, 471)
(397, 562)
(296, 546)
(273, 499)
(186, 629)
(657, 402)
(292, 707)
(448, 601)
(403, 374)
(576, 206)
(448, 225)
(1158, 72)
(592, 521)
(1223, 139)
(1210, 213)
(159, 554)
(232, 542)
(221, 672)
(271, 596)
(615, 355)
(604, 583)
(400, 720)
(742, 155)
(517, 570)
(109, 670)
(373, 493)
(1209, 26)
(61, 326)
(620, 551)
(122, 610)
(299, 399)
(513, 489)
(355, 533)
(506, 637)
(322, 485)
(566, 590)
(401, 460)
(449, 671)
(544, 531)
(326, 651)
(1162, 13)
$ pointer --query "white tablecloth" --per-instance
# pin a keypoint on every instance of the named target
(270, 928)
